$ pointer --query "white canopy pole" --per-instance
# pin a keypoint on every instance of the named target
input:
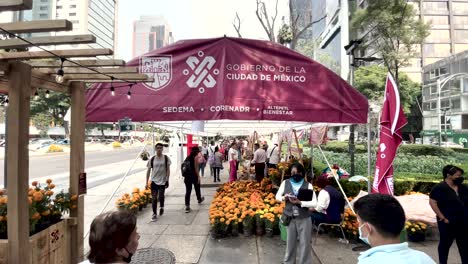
(337, 179)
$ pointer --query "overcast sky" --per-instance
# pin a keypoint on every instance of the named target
(194, 18)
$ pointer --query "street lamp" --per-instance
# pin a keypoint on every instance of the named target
(440, 85)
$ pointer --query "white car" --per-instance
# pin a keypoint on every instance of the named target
(450, 145)
(40, 143)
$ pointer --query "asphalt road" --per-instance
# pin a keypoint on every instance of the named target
(47, 165)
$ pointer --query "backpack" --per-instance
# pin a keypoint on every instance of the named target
(186, 168)
(165, 161)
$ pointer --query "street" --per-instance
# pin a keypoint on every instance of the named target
(56, 166)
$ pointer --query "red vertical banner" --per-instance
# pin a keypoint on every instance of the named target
(392, 120)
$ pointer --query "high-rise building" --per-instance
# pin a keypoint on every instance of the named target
(302, 10)
(149, 33)
(450, 119)
(448, 33)
(331, 34)
(96, 17)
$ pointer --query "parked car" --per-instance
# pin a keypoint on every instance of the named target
(40, 143)
(64, 141)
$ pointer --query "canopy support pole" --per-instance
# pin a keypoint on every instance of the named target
(337, 179)
(369, 153)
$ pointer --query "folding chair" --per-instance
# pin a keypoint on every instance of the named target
(337, 225)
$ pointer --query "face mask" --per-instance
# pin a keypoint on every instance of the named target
(297, 177)
(458, 180)
(129, 258)
(365, 239)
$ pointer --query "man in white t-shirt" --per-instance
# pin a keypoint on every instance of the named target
(258, 161)
(273, 156)
(159, 168)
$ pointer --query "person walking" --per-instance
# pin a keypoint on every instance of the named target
(258, 161)
(218, 164)
(381, 219)
(449, 200)
(233, 169)
(204, 153)
(296, 216)
(159, 167)
(192, 180)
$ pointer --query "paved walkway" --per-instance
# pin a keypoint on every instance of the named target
(187, 235)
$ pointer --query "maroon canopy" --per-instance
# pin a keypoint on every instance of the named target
(229, 78)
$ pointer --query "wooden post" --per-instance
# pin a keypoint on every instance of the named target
(77, 138)
(18, 162)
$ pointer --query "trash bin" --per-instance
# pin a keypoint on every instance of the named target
(283, 232)
(465, 144)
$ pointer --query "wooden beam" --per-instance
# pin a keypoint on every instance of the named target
(123, 76)
(87, 63)
(29, 55)
(15, 5)
(45, 81)
(149, 80)
(77, 166)
(44, 41)
(38, 26)
(88, 71)
(18, 163)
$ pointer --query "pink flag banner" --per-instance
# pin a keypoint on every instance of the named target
(318, 135)
(392, 120)
(228, 78)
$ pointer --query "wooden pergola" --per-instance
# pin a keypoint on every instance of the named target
(21, 74)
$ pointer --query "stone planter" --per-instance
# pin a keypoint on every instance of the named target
(418, 237)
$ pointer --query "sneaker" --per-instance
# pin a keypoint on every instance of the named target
(154, 217)
(201, 200)
(187, 209)
(161, 211)
(219, 180)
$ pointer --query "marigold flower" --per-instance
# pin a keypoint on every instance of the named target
(34, 183)
(49, 181)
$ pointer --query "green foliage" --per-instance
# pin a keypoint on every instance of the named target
(53, 108)
(42, 122)
(396, 30)
(404, 163)
(425, 150)
(285, 34)
(401, 187)
(370, 81)
(343, 147)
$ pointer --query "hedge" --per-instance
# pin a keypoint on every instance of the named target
(413, 149)
(401, 187)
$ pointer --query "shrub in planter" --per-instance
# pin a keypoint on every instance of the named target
(402, 187)
(416, 231)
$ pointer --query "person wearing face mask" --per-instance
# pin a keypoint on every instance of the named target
(449, 200)
(381, 219)
(296, 216)
(113, 238)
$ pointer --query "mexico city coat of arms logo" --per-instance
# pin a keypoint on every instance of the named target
(159, 68)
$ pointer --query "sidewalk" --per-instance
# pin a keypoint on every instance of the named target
(187, 235)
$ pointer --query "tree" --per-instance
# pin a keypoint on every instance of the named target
(42, 122)
(296, 29)
(394, 31)
(267, 24)
(52, 109)
(370, 81)
(237, 25)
